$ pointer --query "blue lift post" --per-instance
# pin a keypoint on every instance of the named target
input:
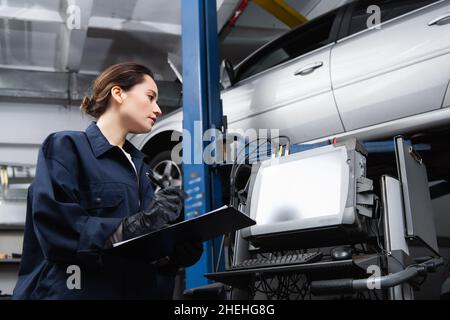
(202, 109)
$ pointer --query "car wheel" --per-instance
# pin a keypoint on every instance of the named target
(167, 171)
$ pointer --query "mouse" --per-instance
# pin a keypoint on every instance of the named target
(341, 253)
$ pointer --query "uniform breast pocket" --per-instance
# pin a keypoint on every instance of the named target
(105, 200)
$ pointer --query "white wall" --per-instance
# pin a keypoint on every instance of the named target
(10, 242)
(23, 127)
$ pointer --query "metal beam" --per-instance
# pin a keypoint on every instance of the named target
(202, 110)
(234, 17)
(283, 12)
(30, 14)
(227, 9)
(66, 88)
(119, 24)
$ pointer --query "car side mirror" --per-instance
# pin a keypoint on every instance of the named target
(226, 74)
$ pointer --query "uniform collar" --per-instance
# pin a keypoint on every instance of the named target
(100, 144)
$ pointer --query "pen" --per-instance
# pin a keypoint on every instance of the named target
(158, 183)
(154, 180)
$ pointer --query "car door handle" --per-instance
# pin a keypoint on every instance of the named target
(440, 19)
(308, 69)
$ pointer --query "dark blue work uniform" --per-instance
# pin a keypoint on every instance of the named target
(83, 188)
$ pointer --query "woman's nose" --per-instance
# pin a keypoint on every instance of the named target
(157, 111)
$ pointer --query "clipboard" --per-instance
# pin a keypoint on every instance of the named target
(161, 243)
(419, 220)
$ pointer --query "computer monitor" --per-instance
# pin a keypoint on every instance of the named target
(309, 199)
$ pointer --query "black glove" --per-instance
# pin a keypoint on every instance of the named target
(165, 207)
(184, 255)
(187, 253)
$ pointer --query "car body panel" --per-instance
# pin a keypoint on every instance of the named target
(300, 106)
(397, 71)
(446, 103)
(389, 129)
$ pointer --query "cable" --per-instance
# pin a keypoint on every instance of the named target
(247, 157)
(286, 287)
(380, 246)
(392, 280)
(235, 167)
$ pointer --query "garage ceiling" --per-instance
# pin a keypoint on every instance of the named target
(34, 36)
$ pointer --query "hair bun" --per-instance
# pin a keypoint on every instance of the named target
(87, 104)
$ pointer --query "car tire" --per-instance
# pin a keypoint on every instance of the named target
(167, 171)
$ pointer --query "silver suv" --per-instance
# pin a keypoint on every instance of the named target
(335, 76)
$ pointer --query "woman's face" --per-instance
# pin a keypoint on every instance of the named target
(139, 108)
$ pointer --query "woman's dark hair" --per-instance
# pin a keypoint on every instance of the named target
(124, 75)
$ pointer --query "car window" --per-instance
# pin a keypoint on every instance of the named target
(390, 9)
(311, 36)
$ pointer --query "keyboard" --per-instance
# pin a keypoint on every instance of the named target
(290, 259)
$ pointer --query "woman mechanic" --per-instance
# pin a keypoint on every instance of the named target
(90, 191)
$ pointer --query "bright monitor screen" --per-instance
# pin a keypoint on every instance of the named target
(300, 191)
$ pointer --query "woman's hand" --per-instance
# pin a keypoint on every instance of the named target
(165, 207)
(187, 253)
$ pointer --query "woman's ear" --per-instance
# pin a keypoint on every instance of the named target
(117, 94)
